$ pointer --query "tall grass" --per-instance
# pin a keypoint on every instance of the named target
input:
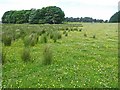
(22, 34)
(3, 56)
(47, 55)
(7, 39)
(94, 36)
(25, 55)
(27, 41)
(56, 35)
(34, 39)
(85, 35)
(43, 38)
(31, 40)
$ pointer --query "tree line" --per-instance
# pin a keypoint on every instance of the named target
(84, 19)
(50, 14)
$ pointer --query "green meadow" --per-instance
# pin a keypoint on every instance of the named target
(71, 55)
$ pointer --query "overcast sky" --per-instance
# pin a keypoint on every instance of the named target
(99, 9)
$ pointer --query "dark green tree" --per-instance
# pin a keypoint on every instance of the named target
(115, 18)
(52, 15)
(33, 18)
(7, 17)
(26, 16)
(21, 16)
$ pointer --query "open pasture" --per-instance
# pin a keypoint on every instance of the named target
(83, 55)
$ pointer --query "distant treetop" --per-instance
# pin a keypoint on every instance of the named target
(84, 19)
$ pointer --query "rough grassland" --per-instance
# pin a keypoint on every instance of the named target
(78, 61)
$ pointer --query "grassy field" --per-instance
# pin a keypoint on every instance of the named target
(87, 57)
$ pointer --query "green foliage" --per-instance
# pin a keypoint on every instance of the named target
(50, 14)
(19, 17)
(7, 17)
(83, 19)
(47, 55)
(115, 18)
(25, 55)
(33, 18)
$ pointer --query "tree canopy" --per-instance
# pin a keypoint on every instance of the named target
(115, 18)
(50, 14)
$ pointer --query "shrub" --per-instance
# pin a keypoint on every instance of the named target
(25, 56)
(47, 55)
(6, 39)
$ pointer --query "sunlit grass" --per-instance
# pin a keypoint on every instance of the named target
(78, 61)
